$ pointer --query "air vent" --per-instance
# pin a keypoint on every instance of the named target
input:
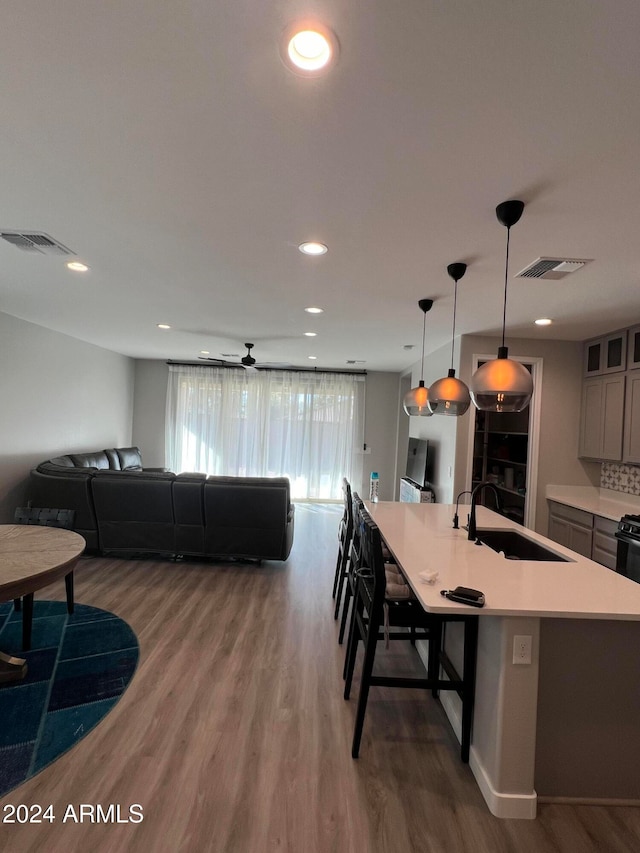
(553, 268)
(35, 241)
(356, 361)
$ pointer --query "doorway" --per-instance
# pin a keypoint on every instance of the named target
(504, 451)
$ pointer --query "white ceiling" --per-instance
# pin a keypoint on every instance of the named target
(169, 147)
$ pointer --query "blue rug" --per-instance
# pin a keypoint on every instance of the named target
(79, 667)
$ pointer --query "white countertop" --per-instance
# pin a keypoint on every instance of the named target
(421, 538)
(603, 502)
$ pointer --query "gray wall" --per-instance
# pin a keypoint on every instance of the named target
(58, 395)
(149, 410)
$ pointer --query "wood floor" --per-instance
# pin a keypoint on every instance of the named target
(234, 735)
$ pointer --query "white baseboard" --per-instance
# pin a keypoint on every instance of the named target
(504, 805)
(500, 804)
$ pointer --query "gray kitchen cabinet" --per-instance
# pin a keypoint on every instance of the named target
(631, 446)
(602, 418)
(605, 545)
(590, 535)
(606, 355)
(571, 527)
(633, 350)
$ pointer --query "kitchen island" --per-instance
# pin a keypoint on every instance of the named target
(566, 726)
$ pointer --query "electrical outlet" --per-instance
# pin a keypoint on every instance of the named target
(522, 648)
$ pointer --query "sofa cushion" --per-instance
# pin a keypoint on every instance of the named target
(97, 459)
(61, 461)
(130, 458)
(114, 459)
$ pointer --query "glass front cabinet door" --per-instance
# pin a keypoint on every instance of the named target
(606, 355)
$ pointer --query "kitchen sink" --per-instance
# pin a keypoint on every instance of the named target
(515, 546)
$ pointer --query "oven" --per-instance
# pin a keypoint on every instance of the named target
(628, 554)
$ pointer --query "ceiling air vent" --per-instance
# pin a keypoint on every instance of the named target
(553, 268)
(35, 241)
(356, 361)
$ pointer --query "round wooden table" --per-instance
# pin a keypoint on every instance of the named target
(32, 557)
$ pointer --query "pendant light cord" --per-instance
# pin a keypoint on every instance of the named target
(453, 330)
(424, 326)
(506, 275)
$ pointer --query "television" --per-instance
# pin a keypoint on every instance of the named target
(419, 462)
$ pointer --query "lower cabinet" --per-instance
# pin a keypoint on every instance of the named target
(589, 535)
(571, 527)
(605, 544)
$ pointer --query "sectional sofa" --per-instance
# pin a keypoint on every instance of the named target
(122, 507)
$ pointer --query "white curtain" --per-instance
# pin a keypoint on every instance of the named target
(306, 426)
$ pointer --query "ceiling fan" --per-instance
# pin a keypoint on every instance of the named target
(247, 361)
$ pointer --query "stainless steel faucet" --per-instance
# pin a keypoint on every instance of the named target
(474, 499)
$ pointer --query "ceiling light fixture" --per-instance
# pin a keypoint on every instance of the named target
(163, 326)
(450, 396)
(77, 266)
(312, 357)
(313, 248)
(313, 310)
(310, 334)
(416, 400)
(543, 321)
(204, 352)
(502, 384)
(308, 48)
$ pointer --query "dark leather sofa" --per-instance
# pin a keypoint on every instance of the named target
(123, 507)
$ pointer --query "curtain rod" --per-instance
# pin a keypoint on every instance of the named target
(291, 369)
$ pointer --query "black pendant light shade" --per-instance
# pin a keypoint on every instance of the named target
(416, 400)
(503, 385)
(450, 396)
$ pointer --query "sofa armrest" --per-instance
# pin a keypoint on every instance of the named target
(158, 470)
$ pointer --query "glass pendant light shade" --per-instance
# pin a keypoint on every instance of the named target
(449, 396)
(416, 400)
(502, 385)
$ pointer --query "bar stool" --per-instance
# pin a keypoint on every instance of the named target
(357, 507)
(374, 613)
(345, 532)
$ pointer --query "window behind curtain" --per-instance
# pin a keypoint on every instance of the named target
(304, 426)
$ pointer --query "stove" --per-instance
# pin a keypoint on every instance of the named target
(628, 555)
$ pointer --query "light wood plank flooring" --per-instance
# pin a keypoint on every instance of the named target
(234, 735)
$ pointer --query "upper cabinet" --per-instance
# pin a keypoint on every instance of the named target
(610, 416)
(633, 352)
(606, 355)
(602, 418)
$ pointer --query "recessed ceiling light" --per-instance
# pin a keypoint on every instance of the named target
(312, 248)
(312, 357)
(543, 321)
(310, 334)
(204, 352)
(163, 326)
(308, 48)
(77, 266)
(313, 310)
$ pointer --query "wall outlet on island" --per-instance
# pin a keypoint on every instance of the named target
(522, 648)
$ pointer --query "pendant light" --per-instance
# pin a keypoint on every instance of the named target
(503, 385)
(416, 400)
(450, 396)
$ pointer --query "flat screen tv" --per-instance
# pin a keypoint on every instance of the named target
(419, 462)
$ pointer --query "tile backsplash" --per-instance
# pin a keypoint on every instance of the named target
(620, 478)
